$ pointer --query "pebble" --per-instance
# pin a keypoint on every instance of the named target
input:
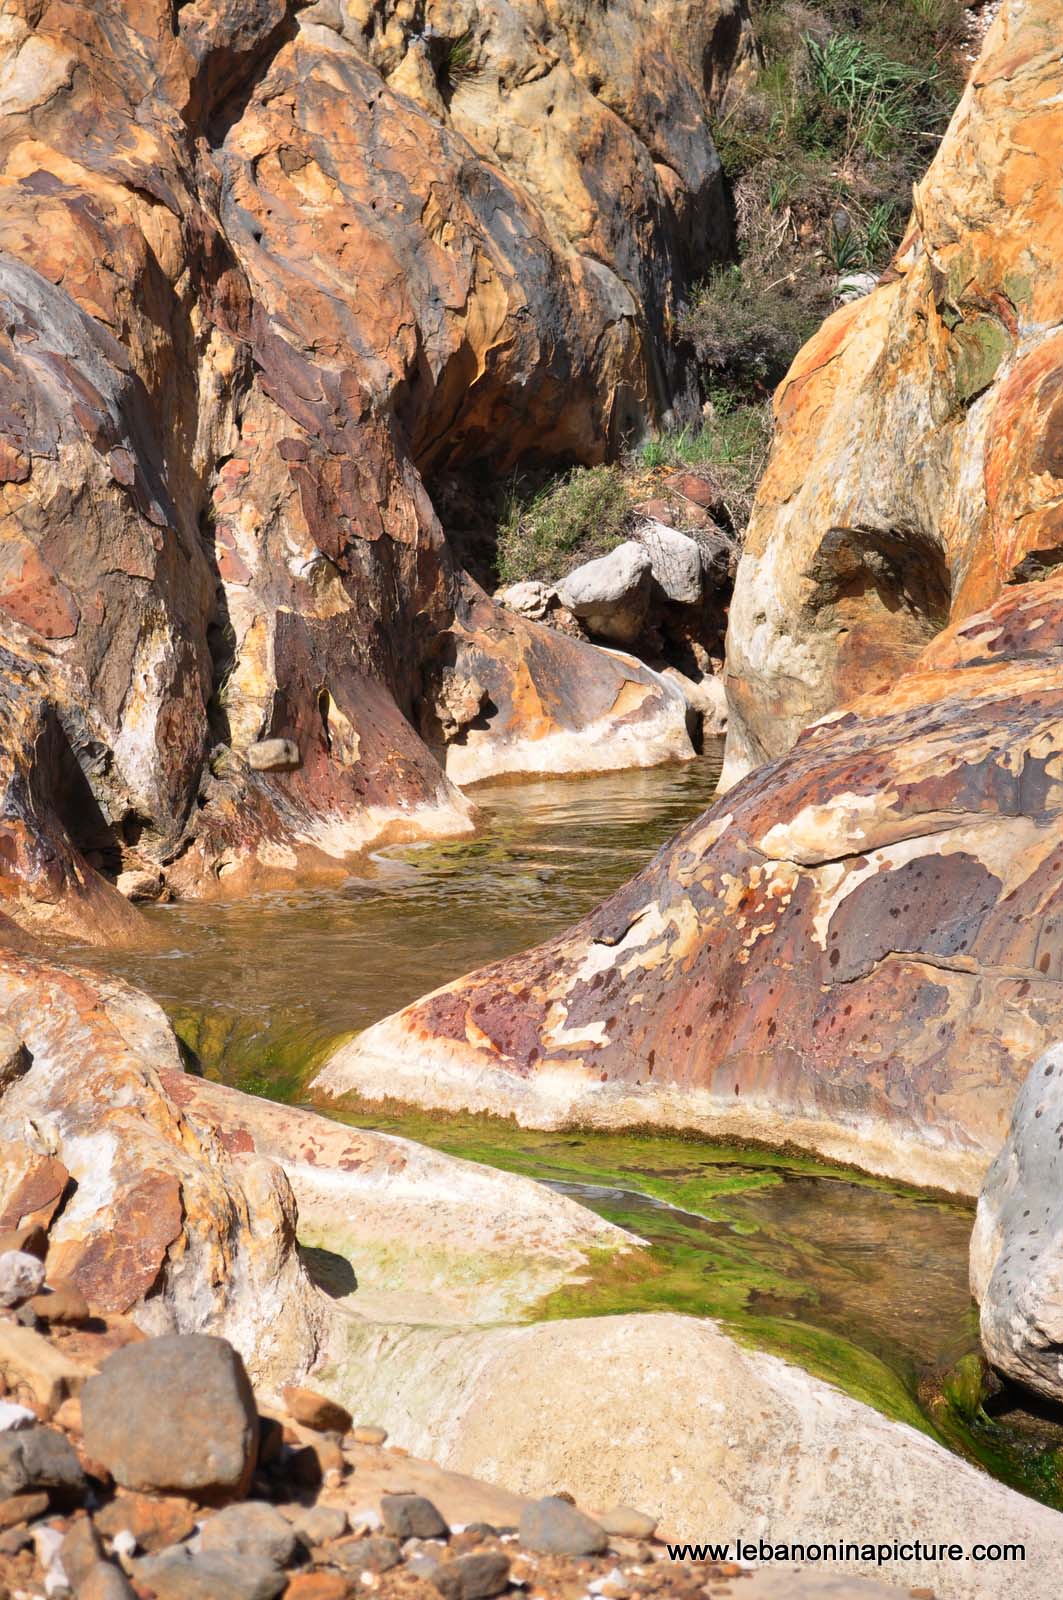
(318, 1586)
(21, 1275)
(367, 1433)
(251, 1528)
(316, 1525)
(38, 1458)
(80, 1550)
(613, 1586)
(183, 1574)
(150, 1522)
(63, 1302)
(316, 1411)
(375, 1554)
(477, 1577)
(554, 1527)
(412, 1516)
(624, 1522)
(176, 1412)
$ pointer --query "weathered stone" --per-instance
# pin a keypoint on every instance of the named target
(273, 755)
(319, 1586)
(374, 1554)
(473, 1577)
(250, 1528)
(528, 599)
(316, 1525)
(80, 1551)
(174, 1413)
(62, 1303)
(38, 1458)
(623, 1522)
(105, 1582)
(154, 1521)
(28, 1358)
(611, 594)
(21, 1275)
(412, 1516)
(183, 1574)
(675, 561)
(553, 1527)
(35, 1194)
(368, 1433)
(316, 1411)
(140, 883)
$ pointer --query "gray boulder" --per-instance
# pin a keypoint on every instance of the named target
(611, 594)
(553, 1527)
(175, 1413)
(1016, 1257)
(675, 561)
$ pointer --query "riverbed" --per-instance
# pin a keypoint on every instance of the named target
(863, 1282)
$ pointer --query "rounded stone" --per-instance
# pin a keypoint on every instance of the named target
(553, 1527)
(21, 1275)
(624, 1522)
(174, 1413)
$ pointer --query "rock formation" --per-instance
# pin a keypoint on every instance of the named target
(859, 950)
(916, 470)
(262, 272)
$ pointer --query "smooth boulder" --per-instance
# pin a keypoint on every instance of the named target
(175, 1414)
(1017, 1242)
(611, 594)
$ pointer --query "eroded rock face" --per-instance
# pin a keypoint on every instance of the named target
(145, 1212)
(259, 269)
(859, 949)
(917, 466)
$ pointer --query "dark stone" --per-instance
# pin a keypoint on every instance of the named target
(183, 1574)
(412, 1516)
(174, 1413)
(251, 1528)
(553, 1527)
(476, 1577)
(38, 1458)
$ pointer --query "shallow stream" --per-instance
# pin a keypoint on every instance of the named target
(860, 1281)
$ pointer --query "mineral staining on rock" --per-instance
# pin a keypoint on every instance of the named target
(858, 949)
(330, 263)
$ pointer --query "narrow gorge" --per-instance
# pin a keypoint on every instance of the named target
(530, 643)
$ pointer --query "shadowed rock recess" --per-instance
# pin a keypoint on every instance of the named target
(859, 949)
(262, 267)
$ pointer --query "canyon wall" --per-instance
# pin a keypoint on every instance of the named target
(859, 949)
(263, 269)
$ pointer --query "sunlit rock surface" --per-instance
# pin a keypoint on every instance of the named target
(262, 268)
(859, 949)
(917, 468)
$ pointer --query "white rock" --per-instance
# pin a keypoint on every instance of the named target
(13, 1416)
(21, 1275)
(675, 562)
(1017, 1242)
(273, 755)
(854, 286)
(529, 599)
(611, 594)
(124, 1543)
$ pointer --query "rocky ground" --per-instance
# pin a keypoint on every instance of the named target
(149, 1468)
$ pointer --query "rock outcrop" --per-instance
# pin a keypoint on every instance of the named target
(916, 472)
(859, 949)
(262, 272)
